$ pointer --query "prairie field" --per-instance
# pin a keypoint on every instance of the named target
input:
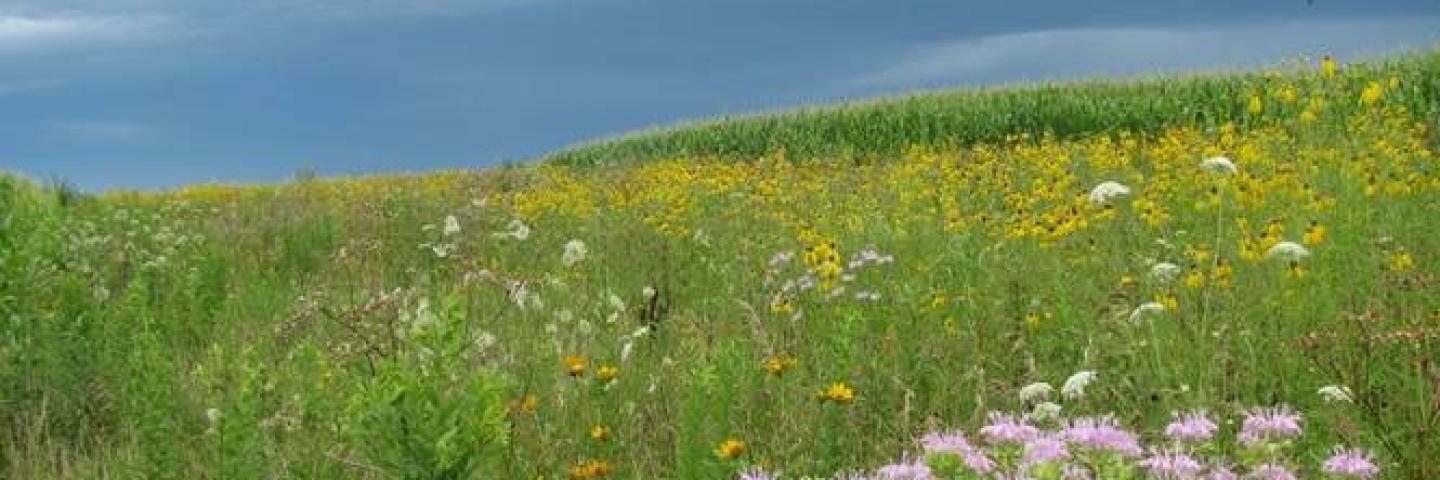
(930, 286)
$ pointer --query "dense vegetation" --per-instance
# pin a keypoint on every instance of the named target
(843, 282)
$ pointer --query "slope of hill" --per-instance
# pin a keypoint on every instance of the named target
(1096, 281)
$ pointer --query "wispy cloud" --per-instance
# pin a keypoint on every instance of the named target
(102, 130)
(1049, 54)
(29, 34)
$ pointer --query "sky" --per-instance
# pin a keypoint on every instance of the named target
(146, 94)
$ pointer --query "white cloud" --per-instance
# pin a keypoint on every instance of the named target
(1050, 54)
(102, 130)
(28, 34)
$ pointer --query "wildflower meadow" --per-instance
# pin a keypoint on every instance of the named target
(1219, 277)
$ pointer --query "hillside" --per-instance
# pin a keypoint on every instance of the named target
(1153, 279)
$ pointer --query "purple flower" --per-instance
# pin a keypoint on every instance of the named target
(1102, 433)
(1172, 466)
(1267, 424)
(907, 469)
(757, 474)
(1194, 426)
(1270, 471)
(1006, 428)
(954, 443)
(1351, 463)
(1044, 449)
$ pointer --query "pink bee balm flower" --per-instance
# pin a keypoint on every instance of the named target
(1102, 433)
(757, 474)
(1270, 471)
(1351, 463)
(1006, 428)
(1044, 449)
(954, 443)
(1194, 426)
(907, 469)
(1273, 423)
(1172, 466)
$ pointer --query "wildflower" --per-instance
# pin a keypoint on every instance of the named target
(1314, 234)
(1102, 433)
(1328, 67)
(1194, 426)
(1351, 463)
(1106, 191)
(575, 252)
(1288, 251)
(214, 415)
(517, 230)
(1221, 165)
(778, 365)
(907, 469)
(1172, 466)
(1044, 449)
(1144, 309)
(1400, 261)
(838, 392)
(452, 225)
(607, 373)
(1271, 471)
(1164, 272)
(1045, 412)
(574, 365)
(529, 403)
(1372, 93)
(1035, 391)
(600, 433)
(1256, 105)
(1074, 387)
(1006, 428)
(757, 474)
(590, 469)
(1269, 424)
(1336, 393)
(730, 449)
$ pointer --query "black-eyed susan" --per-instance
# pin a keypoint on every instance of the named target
(779, 364)
(575, 365)
(837, 392)
(730, 449)
(600, 433)
(594, 468)
(607, 373)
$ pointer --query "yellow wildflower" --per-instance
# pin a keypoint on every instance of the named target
(838, 392)
(730, 449)
(600, 433)
(778, 365)
(607, 373)
(575, 365)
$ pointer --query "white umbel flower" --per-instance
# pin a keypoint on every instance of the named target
(1074, 387)
(575, 252)
(1221, 165)
(1147, 308)
(1045, 412)
(452, 225)
(1035, 392)
(1336, 393)
(517, 230)
(1288, 251)
(1165, 272)
(213, 415)
(1106, 191)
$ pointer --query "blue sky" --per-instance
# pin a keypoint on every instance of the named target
(158, 93)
